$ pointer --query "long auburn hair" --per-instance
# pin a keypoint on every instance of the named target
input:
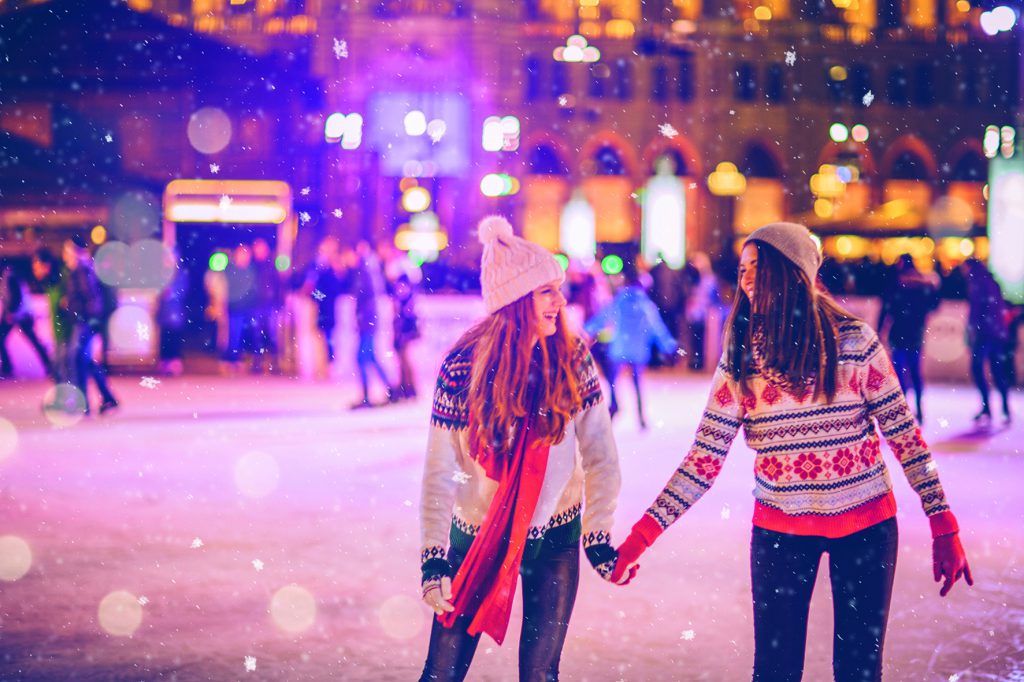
(801, 326)
(499, 379)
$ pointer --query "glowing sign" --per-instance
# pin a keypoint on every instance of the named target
(663, 219)
(1005, 217)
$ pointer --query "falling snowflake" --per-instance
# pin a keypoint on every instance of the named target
(225, 202)
(460, 477)
(667, 130)
(340, 49)
(954, 677)
(336, 213)
(319, 295)
(304, 191)
(143, 600)
(790, 57)
(214, 168)
(197, 543)
(868, 98)
(726, 513)
(109, 137)
(250, 664)
(688, 635)
(149, 382)
(693, 185)
(304, 217)
(407, 503)
(944, 423)
(142, 330)
(257, 564)
(436, 134)
(681, 352)
(563, 100)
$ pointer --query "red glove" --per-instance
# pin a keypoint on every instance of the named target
(949, 561)
(643, 535)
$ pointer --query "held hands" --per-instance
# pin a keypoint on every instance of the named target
(606, 561)
(949, 561)
(629, 553)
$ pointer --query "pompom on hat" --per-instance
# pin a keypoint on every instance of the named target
(794, 242)
(511, 266)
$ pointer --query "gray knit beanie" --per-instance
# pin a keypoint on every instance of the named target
(794, 242)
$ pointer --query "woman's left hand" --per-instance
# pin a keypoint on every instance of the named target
(950, 562)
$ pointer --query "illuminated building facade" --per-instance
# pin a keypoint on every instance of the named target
(854, 116)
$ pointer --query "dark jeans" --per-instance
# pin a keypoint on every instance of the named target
(240, 328)
(999, 360)
(366, 358)
(549, 592)
(637, 372)
(907, 363)
(26, 323)
(86, 366)
(783, 569)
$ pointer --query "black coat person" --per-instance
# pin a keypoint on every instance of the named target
(988, 334)
(16, 313)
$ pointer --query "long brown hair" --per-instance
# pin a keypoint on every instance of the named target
(498, 388)
(801, 326)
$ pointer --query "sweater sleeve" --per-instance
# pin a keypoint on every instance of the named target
(449, 418)
(719, 424)
(887, 404)
(599, 454)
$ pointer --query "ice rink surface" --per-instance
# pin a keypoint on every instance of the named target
(205, 496)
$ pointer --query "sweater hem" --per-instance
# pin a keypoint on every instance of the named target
(833, 526)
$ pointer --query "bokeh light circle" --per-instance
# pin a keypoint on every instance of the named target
(209, 130)
(112, 262)
(8, 439)
(153, 264)
(63, 405)
(950, 216)
(120, 613)
(293, 609)
(136, 215)
(256, 474)
(131, 330)
(401, 617)
(15, 558)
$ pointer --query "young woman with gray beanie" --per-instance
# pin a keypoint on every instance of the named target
(808, 382)
(519, 436)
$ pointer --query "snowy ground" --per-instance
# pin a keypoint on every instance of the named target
(117, 504)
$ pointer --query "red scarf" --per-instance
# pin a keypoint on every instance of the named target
(485, 584)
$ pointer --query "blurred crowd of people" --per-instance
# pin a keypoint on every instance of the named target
(644, 316)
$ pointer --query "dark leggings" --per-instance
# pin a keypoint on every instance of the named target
(783, 569)
(637, 371)
(998, 361)
(907, 362)
(549, 592)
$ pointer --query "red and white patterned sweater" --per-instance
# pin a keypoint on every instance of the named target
(818, 469)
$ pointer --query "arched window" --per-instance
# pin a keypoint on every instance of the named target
(609, 162)
(544, 160)
(924, 84)
(860, 83)
(623, 84)
(686, 85)
(758, 162)
(909, 166)
(659, 83)
(532, 79)
(898, 86)
(971, 167)
(745, 85)
(559, 79)
(775, 83)
(679, 166)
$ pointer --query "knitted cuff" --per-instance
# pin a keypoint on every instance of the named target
(602, 557)
(647, 529)
(943, 523)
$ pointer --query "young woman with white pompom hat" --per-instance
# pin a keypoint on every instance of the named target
(519, 436)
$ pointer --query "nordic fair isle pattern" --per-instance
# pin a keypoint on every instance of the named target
(450, 412)
(818, 469)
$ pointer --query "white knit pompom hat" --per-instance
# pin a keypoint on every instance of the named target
(511, 266)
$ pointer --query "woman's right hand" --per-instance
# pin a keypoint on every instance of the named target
(437, 593)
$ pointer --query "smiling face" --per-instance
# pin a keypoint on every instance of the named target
(748, 270)
(547, 304)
